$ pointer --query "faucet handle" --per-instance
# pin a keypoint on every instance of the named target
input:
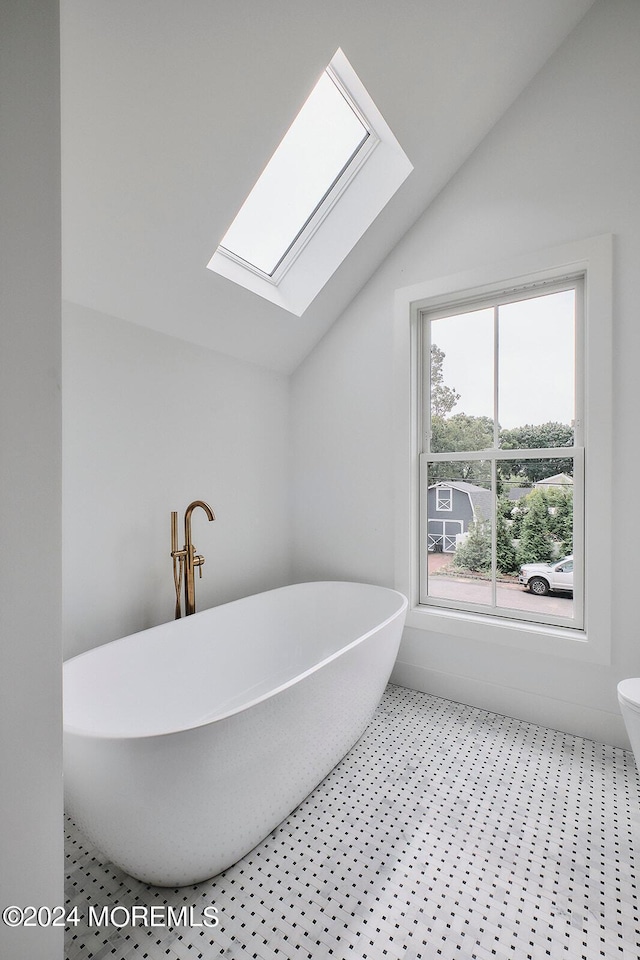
(198, 561)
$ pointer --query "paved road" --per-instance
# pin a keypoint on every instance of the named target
(508, 595)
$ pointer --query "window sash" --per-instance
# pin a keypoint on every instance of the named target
(452, 307)
(577, 453)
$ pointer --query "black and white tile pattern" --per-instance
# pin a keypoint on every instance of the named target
(447, 832)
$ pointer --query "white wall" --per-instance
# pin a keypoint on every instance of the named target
(561, 165)
(30, 667)
(151, 423)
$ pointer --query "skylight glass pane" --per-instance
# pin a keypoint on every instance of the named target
(310, 159)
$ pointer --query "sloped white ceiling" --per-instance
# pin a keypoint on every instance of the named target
(171, 110)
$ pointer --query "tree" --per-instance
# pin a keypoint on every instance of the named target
(562, 525)
(505, 553)
(536, 544)
(475, 552)
(530, 436)
(517, 514)
(461, 432)
(443, 398)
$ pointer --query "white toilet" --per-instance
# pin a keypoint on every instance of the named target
(629, 700)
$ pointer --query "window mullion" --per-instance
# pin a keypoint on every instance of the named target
(425, 442)
(496, 444)
(494, 536)
(496, 373)
(579, 426)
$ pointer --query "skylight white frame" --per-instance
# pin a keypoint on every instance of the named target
(367, 184)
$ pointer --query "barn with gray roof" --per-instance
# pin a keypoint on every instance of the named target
(451, 507)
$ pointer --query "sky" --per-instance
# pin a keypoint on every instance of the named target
(536, 360)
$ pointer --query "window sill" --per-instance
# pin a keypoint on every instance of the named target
(539, 638)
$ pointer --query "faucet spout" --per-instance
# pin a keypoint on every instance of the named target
(189, 557)
(187, 516)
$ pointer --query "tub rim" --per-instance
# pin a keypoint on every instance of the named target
(245, 706)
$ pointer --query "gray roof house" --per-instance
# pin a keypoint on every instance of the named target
(558, 481)
(451, 507)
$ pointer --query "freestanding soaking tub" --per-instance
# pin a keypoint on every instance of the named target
(186, 744)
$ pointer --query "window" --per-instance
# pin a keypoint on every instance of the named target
(502, 418)
(509, 396)
(321, 149)
(302, 216)
(444, 498)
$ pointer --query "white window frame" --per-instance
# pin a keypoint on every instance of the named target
(432, 310)
(378, 171)
(591, 258)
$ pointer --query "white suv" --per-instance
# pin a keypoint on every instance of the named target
(540, 578)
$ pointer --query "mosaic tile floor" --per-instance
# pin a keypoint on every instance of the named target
(446, 832)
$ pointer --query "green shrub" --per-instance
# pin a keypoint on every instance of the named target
(475, 552)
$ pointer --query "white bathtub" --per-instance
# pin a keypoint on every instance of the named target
(186, 744)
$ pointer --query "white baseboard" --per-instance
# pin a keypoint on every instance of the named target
(570, 718)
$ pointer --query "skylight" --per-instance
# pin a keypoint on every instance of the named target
(302, 217)
(315, 152)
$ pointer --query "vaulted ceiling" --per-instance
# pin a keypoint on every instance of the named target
(170, 111)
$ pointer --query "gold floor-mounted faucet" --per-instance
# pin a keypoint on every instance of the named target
(186, 560)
